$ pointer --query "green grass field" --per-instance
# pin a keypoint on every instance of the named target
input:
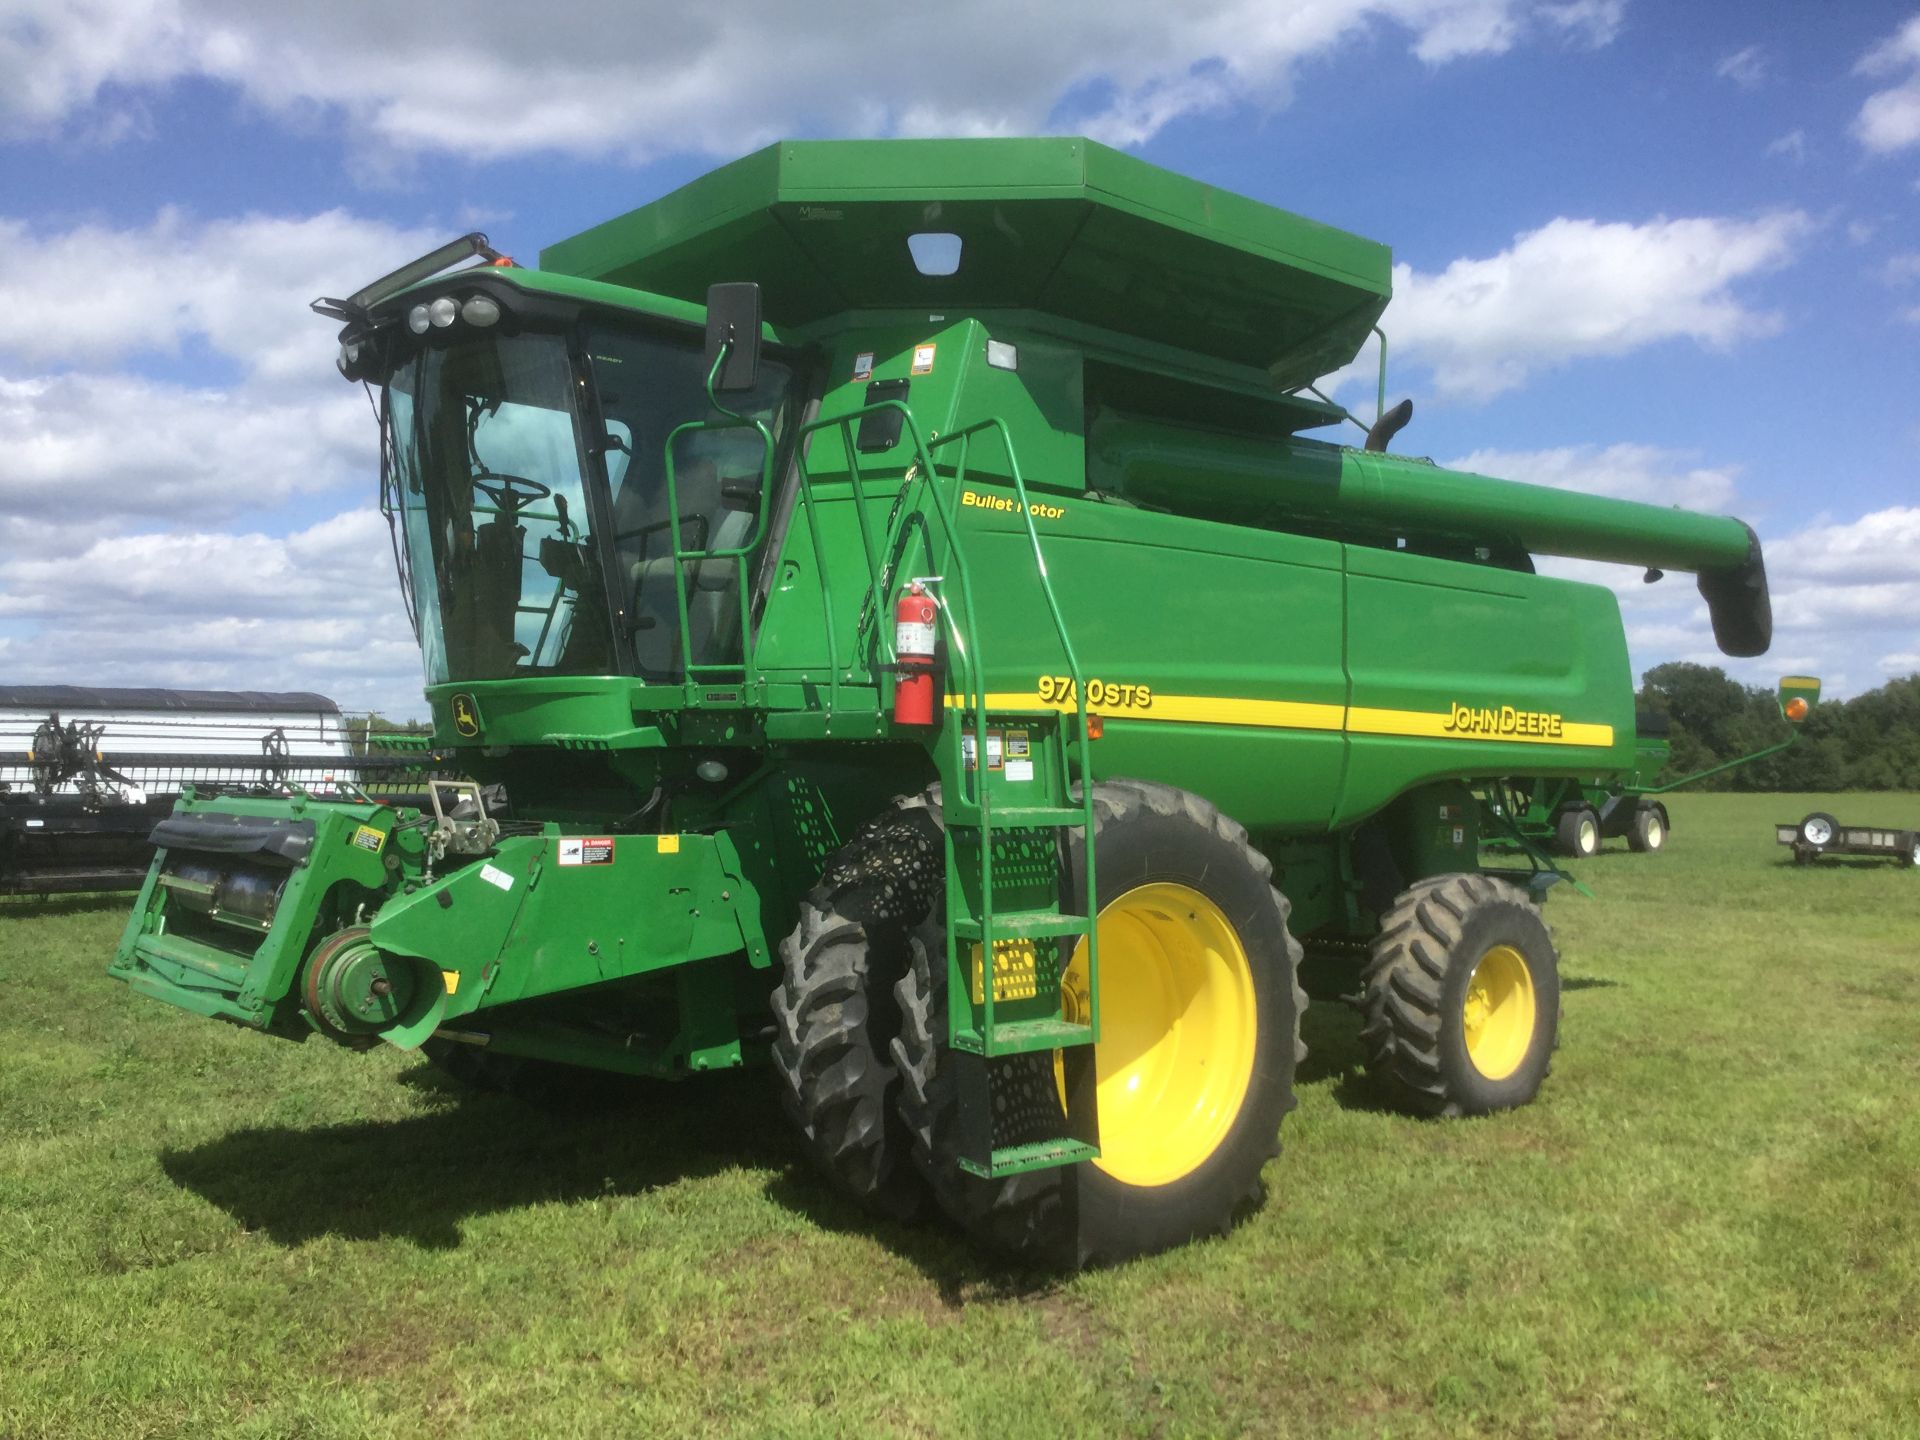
(1709, 1223)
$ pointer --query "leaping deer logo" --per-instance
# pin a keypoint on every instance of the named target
(466, 719)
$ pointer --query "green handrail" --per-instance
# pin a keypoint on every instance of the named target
(1081, 739)
(739, 554)
(972, 669)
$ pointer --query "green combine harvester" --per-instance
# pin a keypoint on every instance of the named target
(898, 633)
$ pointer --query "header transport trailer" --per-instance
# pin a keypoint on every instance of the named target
(890, 577)
(87, 772)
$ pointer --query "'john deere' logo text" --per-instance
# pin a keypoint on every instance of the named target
(1467, 720)
(466, 715)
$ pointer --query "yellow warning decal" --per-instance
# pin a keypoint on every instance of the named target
(452, 980)
(669, 845)
(1505, 723)
(368, 838)
(1016, 972)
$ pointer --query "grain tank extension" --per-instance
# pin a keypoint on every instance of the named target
(693, 518)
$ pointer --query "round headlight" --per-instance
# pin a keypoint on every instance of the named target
(417, 320)
(480, 310)
(443, 312)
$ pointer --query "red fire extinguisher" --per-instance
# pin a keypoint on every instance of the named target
(915, 629)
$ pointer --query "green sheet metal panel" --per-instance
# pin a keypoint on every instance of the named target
(1064, 226)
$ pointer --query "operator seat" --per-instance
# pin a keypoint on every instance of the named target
(709, 521)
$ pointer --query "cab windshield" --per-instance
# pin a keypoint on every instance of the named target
(521, 552)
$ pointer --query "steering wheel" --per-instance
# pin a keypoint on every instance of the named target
(510, 492)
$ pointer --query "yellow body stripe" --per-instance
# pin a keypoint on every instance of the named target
(1292, 715)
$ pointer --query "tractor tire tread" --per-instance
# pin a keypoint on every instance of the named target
(1404, 985)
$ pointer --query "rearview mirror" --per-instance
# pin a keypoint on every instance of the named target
(733, 320)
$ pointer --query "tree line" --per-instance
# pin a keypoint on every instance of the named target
(1871, 742)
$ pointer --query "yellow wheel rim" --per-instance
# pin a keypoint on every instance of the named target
(1499, 1013)
(1178, 1027)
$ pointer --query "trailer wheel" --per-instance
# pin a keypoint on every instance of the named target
(1462, 998)
(1578, 832)
(835, 1013)
(1649, 830)
(1818, 829)
(1200, 1015)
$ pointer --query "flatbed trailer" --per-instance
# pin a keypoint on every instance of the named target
(1820, 834)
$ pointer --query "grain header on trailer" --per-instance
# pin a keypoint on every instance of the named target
(86, 772)
(672, 515)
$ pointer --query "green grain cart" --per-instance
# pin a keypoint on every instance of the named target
(1573, 816)
(888, 577)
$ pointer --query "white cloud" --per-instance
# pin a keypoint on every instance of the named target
(1901, 662)
(112, 569)
(1881, 547)
(106, 446)
(639, 80)
(1746, 68)
(56, 57)
(1902, 269)
(1790, 146)
(1890, 118)
(1579, 288)
(1623, 472)
(92, 294)
(103, 448)
(315, 610)
(1592, 22)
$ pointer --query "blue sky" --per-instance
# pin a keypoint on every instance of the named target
(1654, 250)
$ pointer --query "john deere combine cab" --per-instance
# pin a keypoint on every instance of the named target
(898, 632)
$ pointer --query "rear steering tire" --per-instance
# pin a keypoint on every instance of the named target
(1200, 1017)
(1462, 998)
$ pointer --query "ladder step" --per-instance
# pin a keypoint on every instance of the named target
(1014, 1159)
(1023, 925)
(1026, 1037)
(1035, 817)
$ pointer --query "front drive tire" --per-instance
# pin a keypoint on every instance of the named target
(1462, 998)
(834, 1015)
(1200, 1017)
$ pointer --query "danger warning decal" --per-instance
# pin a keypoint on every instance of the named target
(587, 850)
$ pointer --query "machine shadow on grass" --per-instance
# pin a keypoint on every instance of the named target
(418, 1178)
(476, 1154)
